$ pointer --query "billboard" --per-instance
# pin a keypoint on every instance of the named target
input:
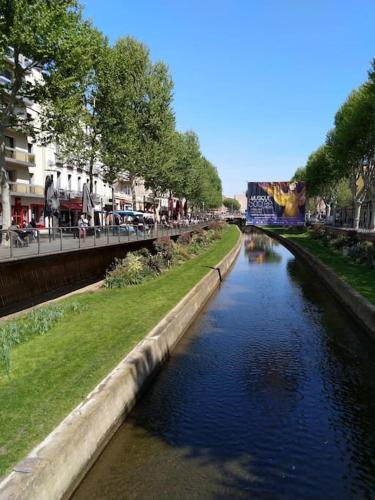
(276, 203)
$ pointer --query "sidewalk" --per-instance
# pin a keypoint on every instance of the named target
(66, 242)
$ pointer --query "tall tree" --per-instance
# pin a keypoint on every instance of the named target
(320, 177)
(126, 112)
(80, 125)
(352, 143)
(36, 34)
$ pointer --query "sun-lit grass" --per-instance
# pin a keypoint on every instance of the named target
(51, 374)
(360, 277)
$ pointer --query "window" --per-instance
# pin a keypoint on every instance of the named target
(31, 179)
(58, 182)
(29, 147)
(9, 142)
(12, 175)
(69, 182)
(79, 187)
(96, 187)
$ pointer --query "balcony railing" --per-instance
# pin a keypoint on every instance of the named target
(26, 189)
(20, 155)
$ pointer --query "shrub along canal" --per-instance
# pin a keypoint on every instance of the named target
(271, 393)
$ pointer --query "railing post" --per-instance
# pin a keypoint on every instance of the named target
(38, 240)
(61, 242)
(94, 236)
(10, 245)
(107, 228)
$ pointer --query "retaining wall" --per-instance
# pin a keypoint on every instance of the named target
(360, 308)
(31, 280)
(56, 466)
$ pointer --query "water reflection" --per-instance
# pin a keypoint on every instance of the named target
(260, 249)
(272, 397)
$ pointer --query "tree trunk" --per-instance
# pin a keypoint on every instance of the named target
(357, 214)
(134, 196)
(328, 211)
(5, 193)
(91, 177)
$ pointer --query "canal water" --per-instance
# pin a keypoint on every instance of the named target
(271, 394)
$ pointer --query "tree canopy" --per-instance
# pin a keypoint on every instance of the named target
(232, 204)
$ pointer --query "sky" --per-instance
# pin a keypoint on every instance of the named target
(259, 81)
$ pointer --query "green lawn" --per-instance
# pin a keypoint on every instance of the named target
(361, 278)
(52, 373)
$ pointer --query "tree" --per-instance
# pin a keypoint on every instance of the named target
(80, 125)
(159, 135)
(212, 195)
(352, 144)
(299, 174)
(44, 35)
(320, 177)
(130, 113)
(232, 204)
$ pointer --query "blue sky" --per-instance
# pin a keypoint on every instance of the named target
(258, 80)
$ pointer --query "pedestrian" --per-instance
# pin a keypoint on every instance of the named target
(83, 224)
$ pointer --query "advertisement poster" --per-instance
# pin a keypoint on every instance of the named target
(276, 203)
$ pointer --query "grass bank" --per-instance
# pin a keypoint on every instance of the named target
(359, 277)
(52, 373)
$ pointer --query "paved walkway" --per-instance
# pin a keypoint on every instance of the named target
(67, 242)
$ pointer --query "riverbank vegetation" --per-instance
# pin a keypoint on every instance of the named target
(351, 259)
(142, 265)
(51, 373)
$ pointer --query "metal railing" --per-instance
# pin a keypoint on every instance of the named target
(29, 242)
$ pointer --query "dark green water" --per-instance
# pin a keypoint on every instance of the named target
(271, 394)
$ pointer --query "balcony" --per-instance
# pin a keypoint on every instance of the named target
(19, 189)
(20, 156)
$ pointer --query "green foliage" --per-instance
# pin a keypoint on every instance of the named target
(232, 204)
(37, 322)
(299, 174)
(320, 175)
(142, 265)
(181, 252)
(132, 270)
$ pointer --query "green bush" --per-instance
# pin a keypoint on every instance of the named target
(200, 238)
(181, 252)
(126, 272)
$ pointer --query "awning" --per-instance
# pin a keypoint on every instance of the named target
(71, 205)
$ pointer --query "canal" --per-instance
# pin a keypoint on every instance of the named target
(271, 394)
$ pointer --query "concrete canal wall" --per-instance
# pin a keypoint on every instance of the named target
(28, 281)
(360, 308)
(56, 466)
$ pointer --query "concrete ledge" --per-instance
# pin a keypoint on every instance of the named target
(360, 308)
(56, 466)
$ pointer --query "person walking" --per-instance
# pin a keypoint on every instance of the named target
(83, 225)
